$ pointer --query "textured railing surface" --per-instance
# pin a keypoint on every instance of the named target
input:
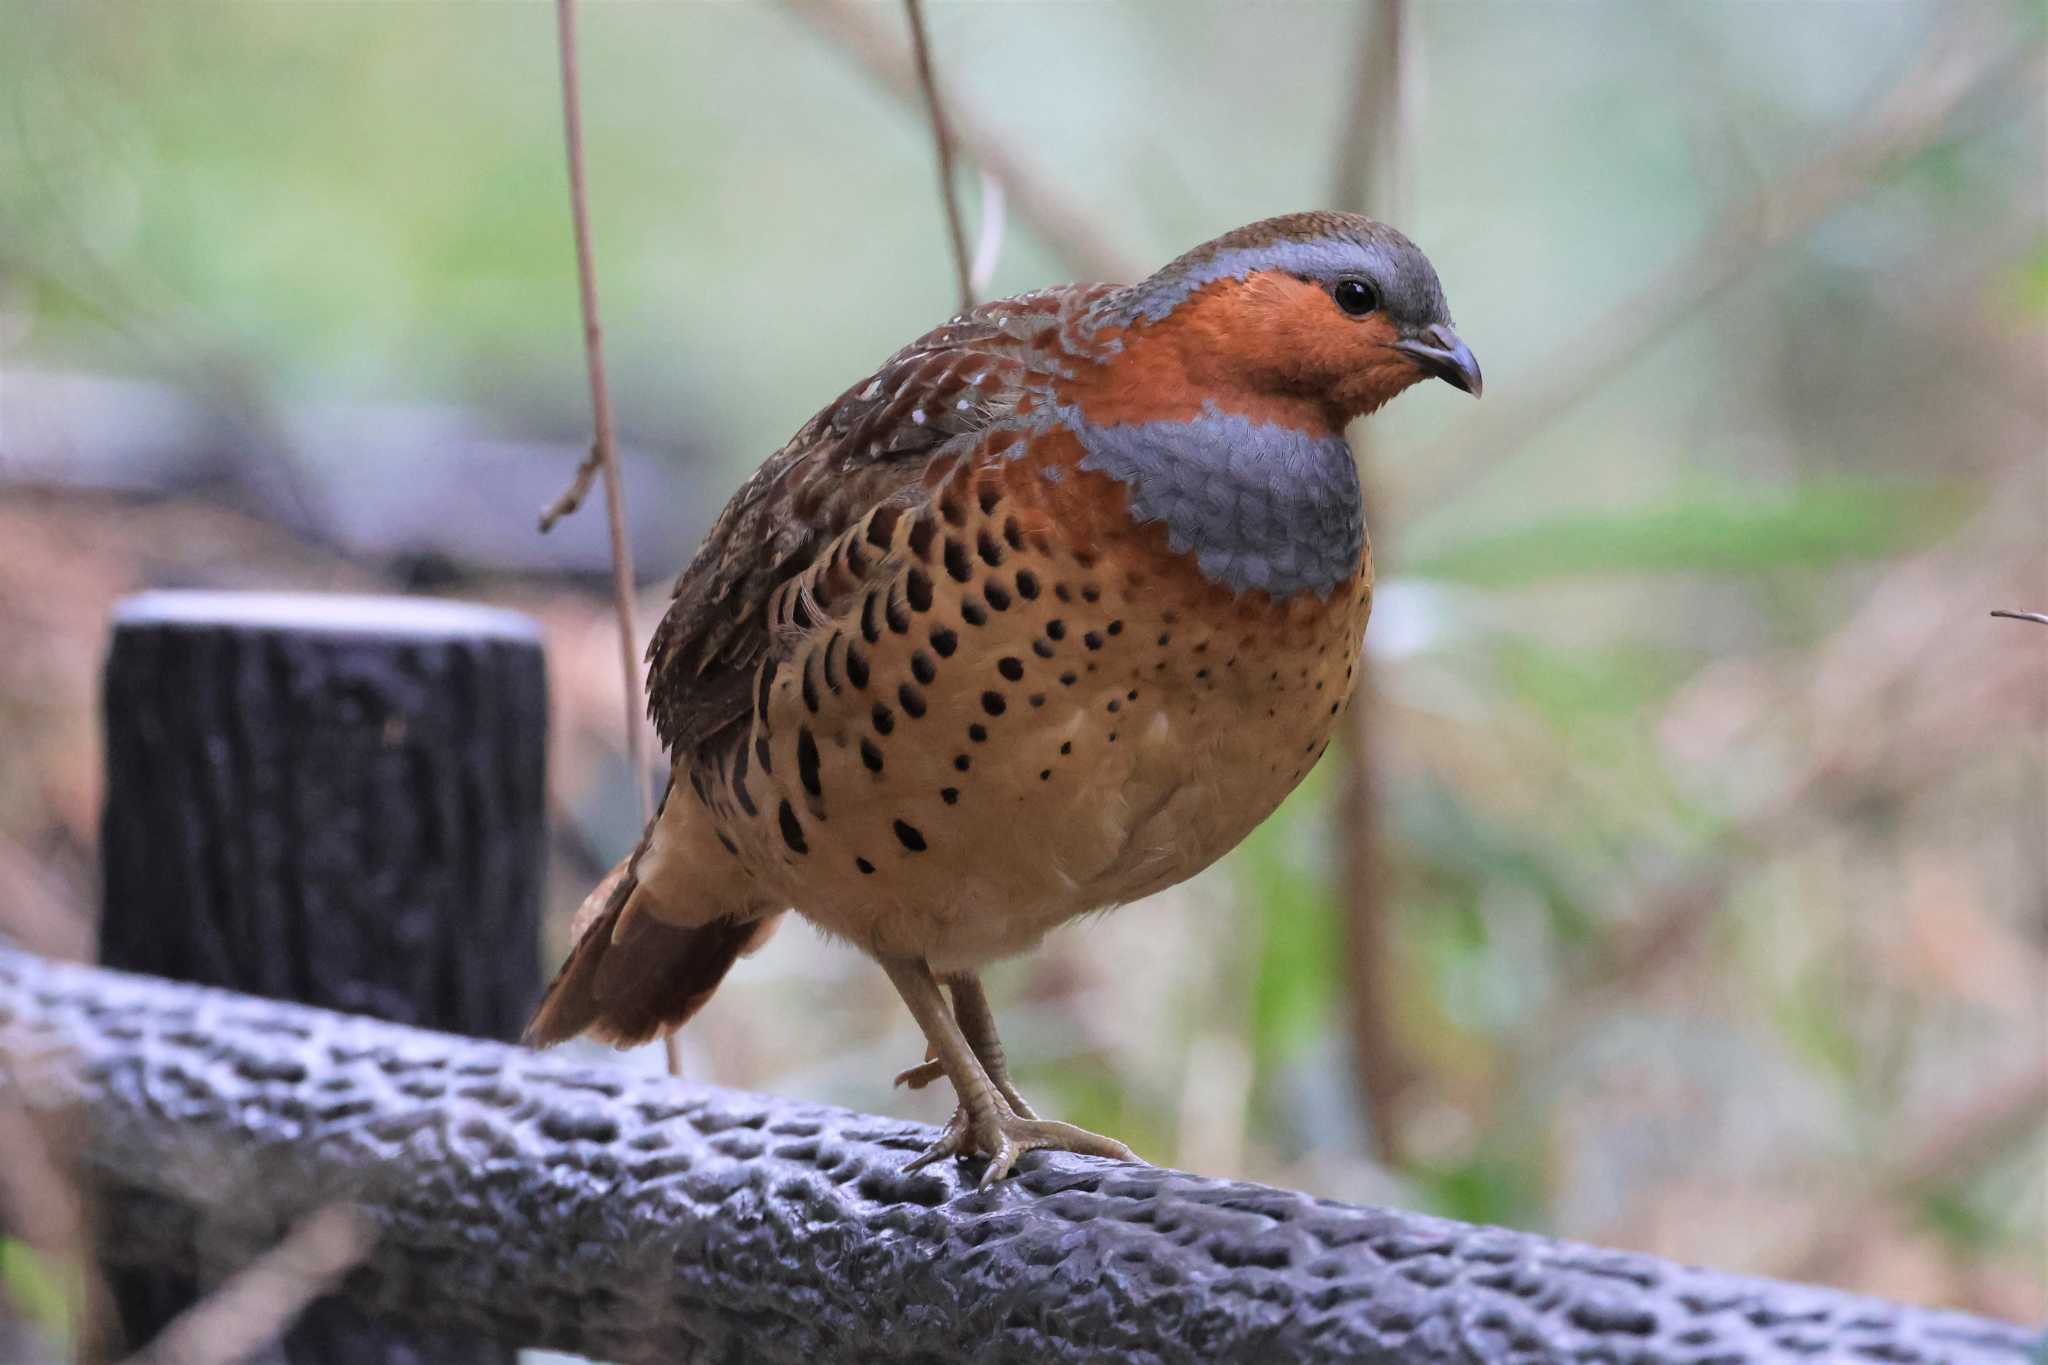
(642, 1220)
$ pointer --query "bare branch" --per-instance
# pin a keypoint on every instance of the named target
(1035, 199)
(2040, 617)
(988, 247)
(251, 1310)
(1373, 146)
(1371, 176)
(1953, 64)
(602, 451)
(935, 110)
(572, 496)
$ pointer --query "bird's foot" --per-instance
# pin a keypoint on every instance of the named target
(1005, 1135)
(929, 1070)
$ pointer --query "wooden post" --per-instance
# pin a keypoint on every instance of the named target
(331, 800)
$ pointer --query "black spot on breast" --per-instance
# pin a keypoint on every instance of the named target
(989, 548)
(973, 613)
(1037, 698)
(833, 649)
(956, 561)
(910, 837)
(882, 526)
(1042, 648)
(993, 703)
(1067, 747)
(856, 666)
(921, 533)
(1056, 629)
(1013, 533)
(1044, 774)
(1165, 638)
(807, 761)
(1011, 668)
(944, 641)
(1092, 639)
(911, 700)
(884, 719)
(950, 795)
(961, 763)
(1069, 679)
(1061, 591)
(871, 617)
(1091, 594)
(730, 846)
(856, 559)
(898, 614)
(792, 832)
(998, 596)
(870, 754)
(1115, 706)
(810, 687)
(1027, 585)
(1116, 627)
(867, 869)
(761, 754)
(952, 511)
(977, 732)
(918, 584)
(922, 668)
(989, 497)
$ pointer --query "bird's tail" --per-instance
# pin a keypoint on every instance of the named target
(633, 976)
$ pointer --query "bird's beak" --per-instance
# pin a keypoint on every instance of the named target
(1439, 352)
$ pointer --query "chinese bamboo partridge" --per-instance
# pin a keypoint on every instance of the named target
(1041, 617)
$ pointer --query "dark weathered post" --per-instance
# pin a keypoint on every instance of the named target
(331, 800)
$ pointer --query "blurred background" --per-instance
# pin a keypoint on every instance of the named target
(1685, 887)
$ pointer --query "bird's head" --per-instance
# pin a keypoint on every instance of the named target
(1333, 310)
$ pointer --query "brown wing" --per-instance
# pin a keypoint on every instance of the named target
(871, 448)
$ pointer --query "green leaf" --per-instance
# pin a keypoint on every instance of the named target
(1709, 530)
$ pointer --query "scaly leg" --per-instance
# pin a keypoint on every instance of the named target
(978, 1025)
(984, 1123)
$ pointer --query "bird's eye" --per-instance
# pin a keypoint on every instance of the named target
(1356, 297)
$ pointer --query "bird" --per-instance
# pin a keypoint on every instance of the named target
(1044, 615)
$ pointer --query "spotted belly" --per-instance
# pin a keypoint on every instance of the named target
(1008, 736)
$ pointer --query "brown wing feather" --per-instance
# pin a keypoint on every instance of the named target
(876, 443)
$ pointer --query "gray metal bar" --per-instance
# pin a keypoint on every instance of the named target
(642, 1220)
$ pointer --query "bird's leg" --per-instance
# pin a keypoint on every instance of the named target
(978, 1025)
(985, 1122)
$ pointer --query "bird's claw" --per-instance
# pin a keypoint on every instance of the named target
(1009, 1135)
(923, 1074)
(953, 1141)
